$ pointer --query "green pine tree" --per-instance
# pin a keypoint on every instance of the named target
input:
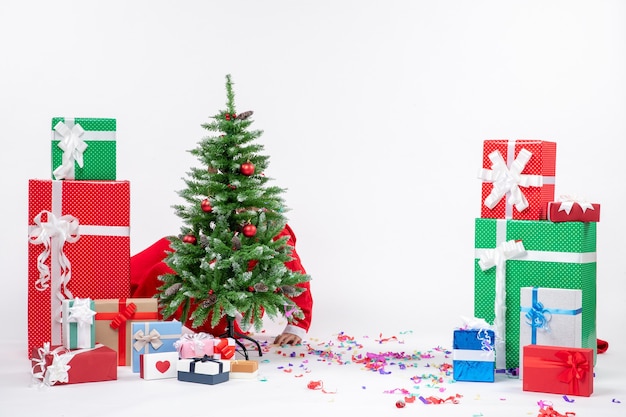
(226, 259)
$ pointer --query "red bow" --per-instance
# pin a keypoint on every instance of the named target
(123, 316)
(576, 366)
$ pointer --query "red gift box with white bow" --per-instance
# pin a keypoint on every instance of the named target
(56, 365)
(518, 178)
(558, 370)
(79, 233)
(570, 209)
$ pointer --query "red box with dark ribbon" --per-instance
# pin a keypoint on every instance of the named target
(79, 234)
(113, 322)
(518, 178)
(558, 370)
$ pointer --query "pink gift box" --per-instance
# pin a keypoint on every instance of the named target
(195, 345)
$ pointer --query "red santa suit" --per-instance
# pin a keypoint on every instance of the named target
(147, 265)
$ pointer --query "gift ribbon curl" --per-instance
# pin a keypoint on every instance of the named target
(509, 179)
(497, 258)
(141, 340)
(73, 147)
(538, 317)
(63, 229)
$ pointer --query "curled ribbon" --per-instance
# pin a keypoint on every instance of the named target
(56, 372)
(485, 340)
(548, 411)
(141, 340)
(509, 180)
(497, 258)
(567, 202)
(73, 148)
(538, 317)
(64, 229)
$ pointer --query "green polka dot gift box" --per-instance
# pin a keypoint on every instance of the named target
(83, 148)
(511, 254)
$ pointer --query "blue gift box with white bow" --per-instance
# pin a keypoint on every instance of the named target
(153, 337)
(473, 356)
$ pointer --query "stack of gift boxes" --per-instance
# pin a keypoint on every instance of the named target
(534, 274)
(82, 324)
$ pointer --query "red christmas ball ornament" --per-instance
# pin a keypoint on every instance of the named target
(191, 239)
(247, 168)
(251, 289)
(206, 206)
(249, 230)
(227, 116)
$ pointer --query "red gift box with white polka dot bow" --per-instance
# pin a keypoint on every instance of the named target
(79, 234)
(518, 178)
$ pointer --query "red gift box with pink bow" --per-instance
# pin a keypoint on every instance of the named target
(558, 370)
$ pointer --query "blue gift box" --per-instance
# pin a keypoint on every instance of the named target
(153, 337)
(203, 370)
(473, 357)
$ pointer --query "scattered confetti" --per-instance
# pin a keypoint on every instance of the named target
(567, 399)
(319, 386)
(615, 400)
(551, 412)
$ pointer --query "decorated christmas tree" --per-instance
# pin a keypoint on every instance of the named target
(227, 259)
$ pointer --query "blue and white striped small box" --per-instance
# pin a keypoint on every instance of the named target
(473, 356)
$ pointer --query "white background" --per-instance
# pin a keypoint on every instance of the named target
(373, 114)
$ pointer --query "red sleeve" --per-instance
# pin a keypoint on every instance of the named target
(304, 300)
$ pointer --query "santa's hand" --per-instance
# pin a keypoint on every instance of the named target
(287, 339)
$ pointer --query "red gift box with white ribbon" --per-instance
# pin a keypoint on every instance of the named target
(572, 209)
(56, 365)
(518, 178)
(79, 233)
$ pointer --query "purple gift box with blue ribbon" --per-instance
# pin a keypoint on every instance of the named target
(473, 355)
(550, 317)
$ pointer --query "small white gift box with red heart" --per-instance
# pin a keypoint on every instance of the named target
(158, 365)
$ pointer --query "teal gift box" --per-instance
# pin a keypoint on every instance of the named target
(511, 254)
(153, 337)
(78, 326)
(83, 148)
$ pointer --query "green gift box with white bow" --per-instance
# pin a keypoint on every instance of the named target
(511, 254)
(84, 148)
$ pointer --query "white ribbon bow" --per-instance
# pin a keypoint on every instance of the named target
(82, 314)
(498, 257)
(509, 180)
(58, 370)
(567, 202)
(73, 147)
(65, 229)
(141, 339)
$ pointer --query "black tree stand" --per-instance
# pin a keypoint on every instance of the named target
(231, 332)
